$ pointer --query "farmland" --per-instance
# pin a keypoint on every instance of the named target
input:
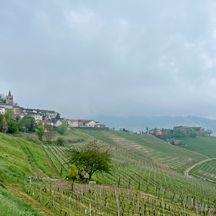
(205, 146)
(146, 179)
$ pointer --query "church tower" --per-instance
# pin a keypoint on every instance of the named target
(9, 99)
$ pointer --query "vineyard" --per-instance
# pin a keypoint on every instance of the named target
(104, 200)
(206, 171)
(141, 165)
(147, 177)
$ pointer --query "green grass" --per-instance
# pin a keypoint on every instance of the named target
(11, 205)
(205, 171)
(202, 145)
(20, 158)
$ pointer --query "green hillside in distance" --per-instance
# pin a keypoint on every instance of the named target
(201, 144)
(206, 169)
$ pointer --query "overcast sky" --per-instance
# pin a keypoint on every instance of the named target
(122, 58)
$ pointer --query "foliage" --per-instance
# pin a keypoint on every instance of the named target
(40, 132)
(27, 124)
(3, 124)
(9, 114)
(60, 141)
(92, 158)
(183, 132)
(12, 126)
(73, 175)
(62, 129)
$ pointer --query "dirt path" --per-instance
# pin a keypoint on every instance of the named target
(187, 171)
(29, 200)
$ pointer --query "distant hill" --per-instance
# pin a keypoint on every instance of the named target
(140, 123)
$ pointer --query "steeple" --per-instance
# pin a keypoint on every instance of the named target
(9, 99)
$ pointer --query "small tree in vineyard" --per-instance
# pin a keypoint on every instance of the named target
(73, 175)
(92, 158)
(40, 132)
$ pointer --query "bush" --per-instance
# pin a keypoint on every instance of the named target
(12, 126)
(60, 141)
(62, 129)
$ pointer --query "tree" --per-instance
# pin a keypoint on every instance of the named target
(62, 129)
(60, 141)
(3, 124)
(9, 114)
(27, 124)
(48, 133)
(40, 132)
(73, 175)
(92, 158)
(12, 126)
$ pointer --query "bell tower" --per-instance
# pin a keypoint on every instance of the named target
(9, 99)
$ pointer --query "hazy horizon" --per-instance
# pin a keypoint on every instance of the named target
(93, 58)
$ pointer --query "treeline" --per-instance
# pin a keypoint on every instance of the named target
(183, 132)
(11, 124)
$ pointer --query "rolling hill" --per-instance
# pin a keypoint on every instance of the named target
(205, 170)
(147, 176)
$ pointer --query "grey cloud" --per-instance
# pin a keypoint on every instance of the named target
(110, 58)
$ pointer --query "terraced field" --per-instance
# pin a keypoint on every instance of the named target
(206, 171)
(206, 146)
(144, 162)
(202, 145)
(146, 179)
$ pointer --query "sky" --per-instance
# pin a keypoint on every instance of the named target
(113, 58)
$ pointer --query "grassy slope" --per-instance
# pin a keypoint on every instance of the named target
(206, 171)
(19, 159)
(205, 146)
(138, 160)
(202, 145)
(11, 205)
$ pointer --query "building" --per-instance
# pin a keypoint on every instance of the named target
(156, 132)
(84, 123)
(94, 124)
(6, 100)
(77, 122)
(9, 99)
(2, 110)
(39, 114)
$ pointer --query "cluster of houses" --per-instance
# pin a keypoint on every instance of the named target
(48, 117)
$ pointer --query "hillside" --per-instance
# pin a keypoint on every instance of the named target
(141, 160)
(20, 158)
(203, 145)
(150, 170)
(205, 170)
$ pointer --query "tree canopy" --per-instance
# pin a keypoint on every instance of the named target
(91, 158)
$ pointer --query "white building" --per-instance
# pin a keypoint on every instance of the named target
(2, 110)
(91, 123)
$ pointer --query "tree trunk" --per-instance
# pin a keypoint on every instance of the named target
(90, 175)
(72, 185)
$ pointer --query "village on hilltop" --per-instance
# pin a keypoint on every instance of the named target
(48, 117)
